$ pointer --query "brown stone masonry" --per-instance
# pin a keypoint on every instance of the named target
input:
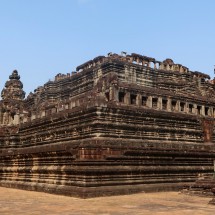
(119, 124)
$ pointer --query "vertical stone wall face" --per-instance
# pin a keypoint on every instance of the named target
(118, 124)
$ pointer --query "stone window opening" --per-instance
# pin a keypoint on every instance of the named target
(199, 108)
(164, 104)
(152, 65)
(12, 115)
(202, 80)
(154, 102)
(107, 95)
(121, 97)
(144, 100)
(206, 111)
(173, 105)
(182, 106)
(190, 108)
(133, 98)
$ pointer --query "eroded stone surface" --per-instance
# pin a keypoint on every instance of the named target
(119, 124)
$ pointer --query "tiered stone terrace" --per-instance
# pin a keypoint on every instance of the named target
(118, 124)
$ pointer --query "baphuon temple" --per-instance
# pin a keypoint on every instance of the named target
(119, 124)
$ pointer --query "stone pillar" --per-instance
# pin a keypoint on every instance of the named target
(115, 94)
(5, 118)
(169, 104)
(203, 110)
(127, 98)
(159, 102)
(43, 113)
(16, 120)
(194, 111)
(72, 105)
(111, 93)
(25, 119)
(177, 107)
(139, 99)
(33, 116)
(126, 73)
(10, 119)
(185, 107)
(210, 112)
(167, 67)
(149, 102)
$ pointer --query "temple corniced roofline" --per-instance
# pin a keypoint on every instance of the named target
(142, 60)
(135, 60)
(135, 69)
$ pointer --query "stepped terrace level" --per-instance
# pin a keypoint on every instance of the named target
(118, 124)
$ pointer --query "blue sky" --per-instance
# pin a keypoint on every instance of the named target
(41, 38)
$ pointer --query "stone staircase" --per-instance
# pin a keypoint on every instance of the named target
(202, 187)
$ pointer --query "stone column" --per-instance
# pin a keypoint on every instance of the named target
(185, 107)
(113, 93)
(167, 67)
(25, 118)
(127, 98)
(16, 120)
(126, 73)
(10, 119)
(33, 116)
(203, 110)
(149, 102)
(139, 99)
(210, 112)
(43, 113)
(169, 104)
(177, 107)
(159, 103)
(180, 69)
(194, 110)
(5, 118)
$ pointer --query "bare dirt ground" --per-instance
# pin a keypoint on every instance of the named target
(16, 202)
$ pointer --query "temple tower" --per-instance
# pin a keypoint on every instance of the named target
(13, 88)
(12, 100)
